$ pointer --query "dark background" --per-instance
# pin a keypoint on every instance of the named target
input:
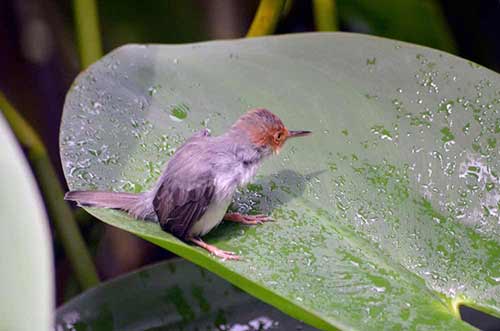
(39, 60)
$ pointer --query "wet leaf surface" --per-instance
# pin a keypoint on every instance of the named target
(387, 216)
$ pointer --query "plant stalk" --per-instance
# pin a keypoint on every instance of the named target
(325, 15)
(59, 211)
(87, 30)
(267, 17)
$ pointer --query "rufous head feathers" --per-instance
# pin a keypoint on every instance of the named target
(266, 129)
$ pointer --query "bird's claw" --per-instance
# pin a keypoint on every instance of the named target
(247, 219)
(225, 255)
(255, 219)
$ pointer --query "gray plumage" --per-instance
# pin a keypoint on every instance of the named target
(137, 205)
(194, 191)
(204, 171)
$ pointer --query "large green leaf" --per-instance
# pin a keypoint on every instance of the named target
(26, 288)
(387, 216)
(173, 295)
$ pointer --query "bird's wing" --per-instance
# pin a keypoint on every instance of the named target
(187, 186)
(181, 201)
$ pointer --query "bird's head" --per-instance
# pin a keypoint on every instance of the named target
(266, 129)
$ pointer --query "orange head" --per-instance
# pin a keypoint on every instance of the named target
(266, 129)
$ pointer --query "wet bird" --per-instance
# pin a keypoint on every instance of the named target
(192, 195)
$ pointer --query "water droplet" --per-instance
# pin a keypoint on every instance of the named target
(446, 135)
(382, 132)
(466, 129)
(153, 90)
(396, 102)
(179, 112)
(446, 107)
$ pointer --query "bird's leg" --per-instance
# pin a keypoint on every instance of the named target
(214, 250)
(247, 219)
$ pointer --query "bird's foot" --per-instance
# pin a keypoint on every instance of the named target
(247, 219)
(225, 255)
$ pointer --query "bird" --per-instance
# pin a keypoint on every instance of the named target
(194, 191)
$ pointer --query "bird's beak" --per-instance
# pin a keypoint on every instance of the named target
(292, 134)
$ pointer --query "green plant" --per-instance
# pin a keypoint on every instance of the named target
(370, 229)
(173, 295)
(59, 211)
(27, 274)
(390, 224)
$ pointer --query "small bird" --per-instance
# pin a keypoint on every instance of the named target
(192, 195)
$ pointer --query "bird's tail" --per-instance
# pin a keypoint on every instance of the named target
(138, 205)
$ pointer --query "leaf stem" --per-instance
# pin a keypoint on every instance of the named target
(87, 29)
(287, 7)
(60, 213)
(266, 18)
(325, 15)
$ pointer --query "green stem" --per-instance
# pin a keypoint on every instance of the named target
(266, 18)
(59, 211)
(87, 29)
(325, 15)
(286, 8)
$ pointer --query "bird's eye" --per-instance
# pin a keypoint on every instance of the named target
(278, 136)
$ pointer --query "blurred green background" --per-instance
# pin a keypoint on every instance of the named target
(39, 60)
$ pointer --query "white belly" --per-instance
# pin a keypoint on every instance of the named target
(212, 217)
